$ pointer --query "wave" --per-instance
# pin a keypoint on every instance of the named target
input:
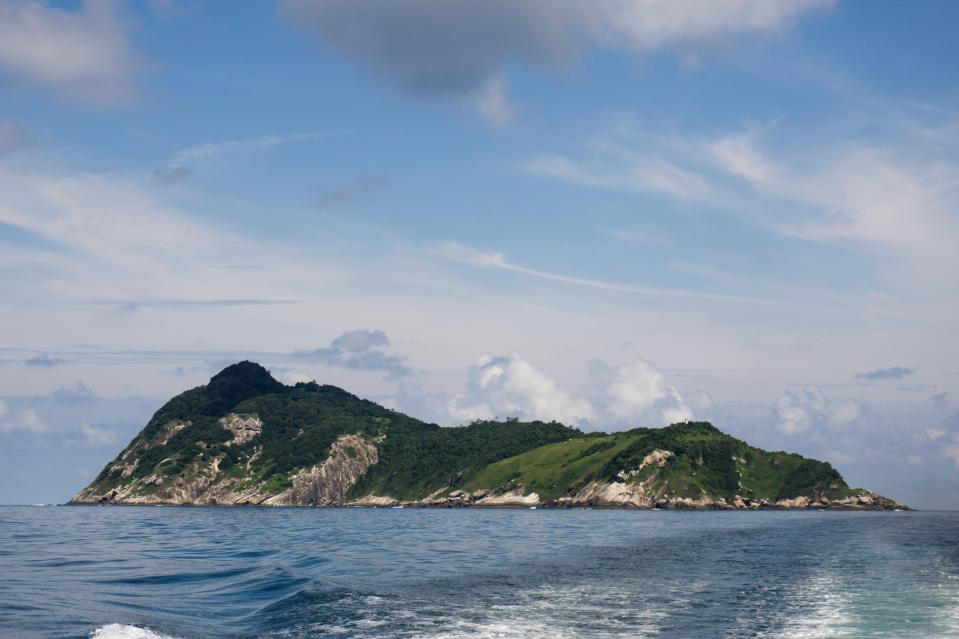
(122, 631)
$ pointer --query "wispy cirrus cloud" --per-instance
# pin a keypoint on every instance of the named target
(497, 261)
(891, 201)
(182, 164)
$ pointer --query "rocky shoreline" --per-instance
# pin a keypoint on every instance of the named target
(864, 501)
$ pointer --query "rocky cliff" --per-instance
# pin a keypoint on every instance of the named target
(244, 438)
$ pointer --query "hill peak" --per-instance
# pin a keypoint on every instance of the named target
(240, 381)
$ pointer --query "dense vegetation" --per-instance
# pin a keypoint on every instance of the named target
(705, 461)
(301, 422)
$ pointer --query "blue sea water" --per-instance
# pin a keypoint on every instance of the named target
(155, 572)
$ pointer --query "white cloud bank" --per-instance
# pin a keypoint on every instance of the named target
(630, 394)
(638, 392)
(809, 409)
(510, 386)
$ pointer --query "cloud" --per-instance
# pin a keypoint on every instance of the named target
(493, 104)
(132, 305)
(895, 198)
(78, 393)
(951, 450)
(894, 372)
(346, 194)
(12, 137)
(98, 436)
(43, 360)
(497, 261)
(616, 167)
(85, 54)
(809, 410)
(180, 165)
(172, 174)
(26, 420)
(940, 400)
(626, 395)
(443, 48)
(890, 201)
(360, 350)
(510, 386)
(636, 393)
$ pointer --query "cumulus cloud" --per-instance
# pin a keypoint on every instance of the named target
(25, 420)
(78, 393)
(442, 48)
(360, 350)
(630, 394)
(809, 409)
(894, 372)
(85, 54)
(510, 386)
(638, 394)
(98, 436)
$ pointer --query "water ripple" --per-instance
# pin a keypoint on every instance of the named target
(191, 573)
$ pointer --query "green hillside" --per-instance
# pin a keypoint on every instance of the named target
(704, 461)
(245, 438)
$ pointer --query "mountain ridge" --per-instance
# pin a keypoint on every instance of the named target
(247, 439)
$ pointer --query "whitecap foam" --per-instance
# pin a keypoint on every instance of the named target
(122, 631)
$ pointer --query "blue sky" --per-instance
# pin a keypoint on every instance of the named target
(611, 213)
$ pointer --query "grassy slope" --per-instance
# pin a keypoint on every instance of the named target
(703, 461)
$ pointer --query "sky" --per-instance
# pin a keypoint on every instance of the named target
(611, 213)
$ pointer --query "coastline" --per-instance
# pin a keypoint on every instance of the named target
(852, 504)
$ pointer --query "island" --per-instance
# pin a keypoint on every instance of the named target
(247, 439)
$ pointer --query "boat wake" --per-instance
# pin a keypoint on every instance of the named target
(121, 631)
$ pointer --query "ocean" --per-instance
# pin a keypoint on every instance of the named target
(161, 572)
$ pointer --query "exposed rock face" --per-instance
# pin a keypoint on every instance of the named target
(203, 484)
(243, 427)
(328, 483)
